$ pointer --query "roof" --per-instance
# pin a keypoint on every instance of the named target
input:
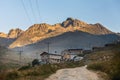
(75, 49)
(45, 53)
(55, 54)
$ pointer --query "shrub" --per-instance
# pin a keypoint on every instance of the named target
(111, 67)
(2, 75)
(35, 62)
(24, 68)
(41, 71)
(115, 69)
(96, 66)
(12, 75)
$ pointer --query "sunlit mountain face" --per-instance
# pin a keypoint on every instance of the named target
(71, 33)
(39, 32)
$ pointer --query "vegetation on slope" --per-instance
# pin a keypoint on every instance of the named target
(110, 66)
(105, 60)
(38, 72)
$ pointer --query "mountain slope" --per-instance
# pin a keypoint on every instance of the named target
(13, 33)
(68, 40)
(7, 39)
(82, 26)
(39, 32)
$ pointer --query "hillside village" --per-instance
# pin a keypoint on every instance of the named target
(69, 55)
(42, 49)
(60, 40)
(69, 58)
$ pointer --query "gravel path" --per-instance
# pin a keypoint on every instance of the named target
(80, 73)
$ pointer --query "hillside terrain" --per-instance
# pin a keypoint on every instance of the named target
(13, 33)
(38, 32)
(7, 58)
(105, 60)
(60, 36)
(68, 40)
(7, 39)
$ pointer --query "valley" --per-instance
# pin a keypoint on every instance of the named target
(70, 44)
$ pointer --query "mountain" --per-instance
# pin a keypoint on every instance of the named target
(14, 33)
(118, 34)
(70, 40)
(3, 35)
(39, 32)
(76, 24)
(7, 39)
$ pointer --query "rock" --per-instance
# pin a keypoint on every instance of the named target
(38, 32)
(14, 33)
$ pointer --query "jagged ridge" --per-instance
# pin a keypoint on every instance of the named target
(39, 32)
(13, 33)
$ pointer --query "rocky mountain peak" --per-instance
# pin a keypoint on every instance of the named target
(73, 22)
(70, 19)
(38, 28)
(3, 35)
(99, 25)
(14, 33)
(39, 32)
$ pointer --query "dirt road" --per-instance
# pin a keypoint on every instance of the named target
(80, 73)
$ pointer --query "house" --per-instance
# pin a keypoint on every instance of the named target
(97, 48)
(87, 51)
(50, 58)
(44, 57)
(109, 45)
(70, 54)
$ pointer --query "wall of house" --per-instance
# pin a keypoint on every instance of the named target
(44, 58)
(66, 56)
(51, 60)
(55, 56)
(72, 52)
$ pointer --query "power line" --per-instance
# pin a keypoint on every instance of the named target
(31, 6)
(26, 11)
(38, 8)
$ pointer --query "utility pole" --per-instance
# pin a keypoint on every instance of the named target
(37, 54)
(20, 57)
(48, 45)
(90, 46)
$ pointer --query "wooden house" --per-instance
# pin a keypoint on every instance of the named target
(50, 58)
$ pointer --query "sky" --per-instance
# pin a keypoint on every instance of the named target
(24, 13)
